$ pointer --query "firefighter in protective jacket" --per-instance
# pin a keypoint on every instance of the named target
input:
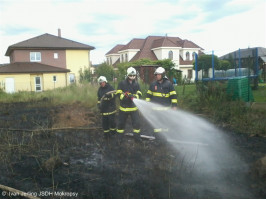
(128, 89)
(107, 106)
(162, 92)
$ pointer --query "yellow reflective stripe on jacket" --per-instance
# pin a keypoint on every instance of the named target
(136, 130)
(158, 94)
(148, 99)
(110, 113)
(149, 92)
(139, 92)
(122, 96)
(120, 130)
(174, 100)
(119, 91)
(157, 130)
(98, 101)
(128, 109)
(172, 93)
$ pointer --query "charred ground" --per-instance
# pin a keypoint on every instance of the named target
(37, 154)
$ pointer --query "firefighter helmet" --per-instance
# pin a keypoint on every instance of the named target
(102, 79)
(159, 70)
(131, 71)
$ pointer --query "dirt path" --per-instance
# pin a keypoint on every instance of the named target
(60, 163)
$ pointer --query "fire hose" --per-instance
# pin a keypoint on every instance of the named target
(104, 96)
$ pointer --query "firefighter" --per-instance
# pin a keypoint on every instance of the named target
(107, 106)
(162, 93)
(126, 91)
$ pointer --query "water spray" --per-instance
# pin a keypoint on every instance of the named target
(199, 141)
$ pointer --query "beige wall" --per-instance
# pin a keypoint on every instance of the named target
(76, 60)
(48, 83)
(22, 81)
(26, 82)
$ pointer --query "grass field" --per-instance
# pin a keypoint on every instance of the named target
(260, 94)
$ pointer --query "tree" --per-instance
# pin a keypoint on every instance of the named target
(122, 67)
(85, 75)
(105, 70)
(231, 60)
(225, 65)
(167, 64)
(169, 67)
(205, 62)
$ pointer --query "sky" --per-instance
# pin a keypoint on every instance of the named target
(221, 26)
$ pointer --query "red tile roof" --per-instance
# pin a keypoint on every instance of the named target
(146, 51)
(188, 44)
(134, 44)
(48, 41)
(115, 49)
(167, 42)
(151, 42)
(30, 67)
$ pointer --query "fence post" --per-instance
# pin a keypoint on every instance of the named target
(196, 67)
(213, 64)
(239, 62)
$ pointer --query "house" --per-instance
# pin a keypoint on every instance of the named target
(181, 52)
(46, 51)
(31, 76)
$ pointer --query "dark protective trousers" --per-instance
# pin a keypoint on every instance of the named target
(135, 118)
(108, 123)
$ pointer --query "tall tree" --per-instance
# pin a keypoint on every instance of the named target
(225, 65)
(105, 70)
(205, 62)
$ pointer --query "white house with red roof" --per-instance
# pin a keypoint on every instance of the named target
(181, 52)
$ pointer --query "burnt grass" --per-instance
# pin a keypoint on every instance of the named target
(83, 161)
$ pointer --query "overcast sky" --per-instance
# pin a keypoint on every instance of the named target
(220, 25)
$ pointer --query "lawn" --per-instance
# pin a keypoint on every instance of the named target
(260, 93)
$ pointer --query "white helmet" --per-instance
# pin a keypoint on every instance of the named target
(131, 71)
(159, 70)
(102, 79)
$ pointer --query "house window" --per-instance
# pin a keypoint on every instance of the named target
(55, 55)
(170, 55)
(126, 57)
(54, 78)
(187, 55)
(189, 74)
(35, 56)
(193, 55)
(72, 78)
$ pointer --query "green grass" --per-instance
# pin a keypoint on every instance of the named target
(260, 93)
(83, 93)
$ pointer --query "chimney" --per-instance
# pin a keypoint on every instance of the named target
(59, 32)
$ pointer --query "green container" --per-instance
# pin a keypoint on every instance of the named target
(239, 88)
